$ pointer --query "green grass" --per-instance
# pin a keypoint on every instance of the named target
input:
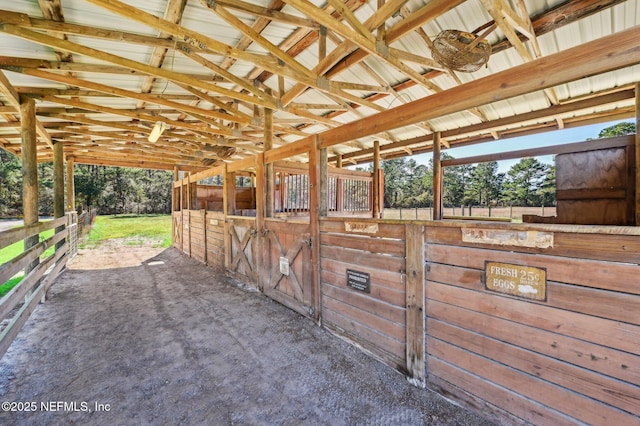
(8, 253)
(6, 287)
(135, 230)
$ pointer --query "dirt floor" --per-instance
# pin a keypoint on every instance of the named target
(139, 335)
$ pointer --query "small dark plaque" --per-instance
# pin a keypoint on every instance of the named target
(359, 280)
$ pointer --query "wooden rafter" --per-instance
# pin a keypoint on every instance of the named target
(124, 62)
(509, 21)
(212, 103)
(173, 13)
(13, 98)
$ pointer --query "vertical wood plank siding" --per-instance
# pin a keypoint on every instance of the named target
(572, 358)
(215, 239)
(375, 320)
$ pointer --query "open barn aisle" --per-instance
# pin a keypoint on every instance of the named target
(150, 336)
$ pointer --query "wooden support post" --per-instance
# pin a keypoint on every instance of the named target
(229, 193)
(29, 172)
(317, 209)
(437, 178)
(638, 154)
(58, 185)
(339, 186)
(269, 187)
(227, 223)
(323, 178)
(175, 192)
(263, 246)
(376, 179)
(415, 296)
(71, 188)
(194, 194)
(188, 192)
(339, 194)
(182, 195)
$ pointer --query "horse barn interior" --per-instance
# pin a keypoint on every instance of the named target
(524, 323)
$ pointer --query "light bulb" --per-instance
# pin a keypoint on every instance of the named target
(157, 130)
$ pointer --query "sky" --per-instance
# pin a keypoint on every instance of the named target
(556, 137)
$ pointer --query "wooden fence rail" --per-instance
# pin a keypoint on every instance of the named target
(33, 288)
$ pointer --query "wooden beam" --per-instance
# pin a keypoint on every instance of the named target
(58, 185)
(99, 160)
(8, 62)
(29, 173)
(317, 209)
(128, 63)
(437, 178)
(270, 14)
(262, 239)
(559, 16)
(71, 189)
(209, 43)
(196, 112)
(229, 193)
(258, 38)
(345, 48)
(365, 155)
(269, 175)
(593, 145)
(368, 43)
(430, 11)
(596, 57)
(376, 180)
(148, 117)
(7, 89)
(172, 13)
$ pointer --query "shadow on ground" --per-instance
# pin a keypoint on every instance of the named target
(168, 340)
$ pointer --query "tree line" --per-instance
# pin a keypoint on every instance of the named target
(527, 183)
(112, 190)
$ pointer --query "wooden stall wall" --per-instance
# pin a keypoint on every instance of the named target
(287, 276)
(186, 240)
(374, 319)
(214, 223)
(177, 229)
(596, 187)
(210, 199)
(570, 359)
(197, 235)
(240, 249)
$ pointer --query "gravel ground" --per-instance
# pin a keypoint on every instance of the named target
(137, 335)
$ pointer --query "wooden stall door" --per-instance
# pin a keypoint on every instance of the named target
(288, 266)
(177, 230)
(242, 248)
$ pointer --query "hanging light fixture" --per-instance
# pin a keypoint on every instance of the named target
(157, 130)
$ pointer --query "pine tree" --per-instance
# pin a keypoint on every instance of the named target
(523, 182)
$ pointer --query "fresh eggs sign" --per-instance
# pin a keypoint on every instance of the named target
(517, 280)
